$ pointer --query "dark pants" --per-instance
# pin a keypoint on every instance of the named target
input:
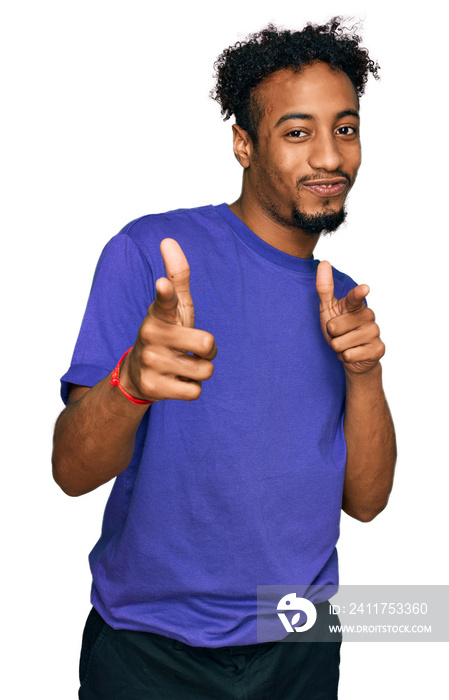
(126, 665)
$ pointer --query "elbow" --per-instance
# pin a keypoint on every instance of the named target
(72, 478)
(68, 490)
(364, 514)
(60, 476)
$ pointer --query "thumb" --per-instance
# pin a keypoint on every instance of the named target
(325, 284)
(178, 274)
(165, 305)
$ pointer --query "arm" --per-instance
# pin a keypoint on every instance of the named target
(95, 435)
(350, 329)
(371, 446)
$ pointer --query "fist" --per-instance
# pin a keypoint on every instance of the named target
(170, 357)
(348, 324)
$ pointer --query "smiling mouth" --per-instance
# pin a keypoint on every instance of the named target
(326, 188)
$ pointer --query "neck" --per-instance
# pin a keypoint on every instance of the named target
(288, 239)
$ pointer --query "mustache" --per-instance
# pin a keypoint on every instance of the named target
(325, 175)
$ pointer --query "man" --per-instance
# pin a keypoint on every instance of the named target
(231, 473)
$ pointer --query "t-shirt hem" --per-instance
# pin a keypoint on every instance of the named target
(82, 375)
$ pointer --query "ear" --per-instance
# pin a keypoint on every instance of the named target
(243, 145)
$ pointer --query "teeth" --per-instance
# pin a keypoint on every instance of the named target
(323, 185)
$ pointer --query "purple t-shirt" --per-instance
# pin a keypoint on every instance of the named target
(242, 487)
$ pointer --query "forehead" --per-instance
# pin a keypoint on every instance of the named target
(316, 89)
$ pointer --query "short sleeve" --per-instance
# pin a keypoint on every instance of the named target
(122, 290)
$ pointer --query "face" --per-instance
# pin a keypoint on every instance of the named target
(308, 149)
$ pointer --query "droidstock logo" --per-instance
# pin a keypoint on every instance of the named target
(293, 602)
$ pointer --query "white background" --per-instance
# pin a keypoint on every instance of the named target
(106, 117)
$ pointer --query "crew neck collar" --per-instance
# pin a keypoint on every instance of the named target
(249, 238)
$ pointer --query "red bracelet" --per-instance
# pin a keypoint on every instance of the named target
(115, 381)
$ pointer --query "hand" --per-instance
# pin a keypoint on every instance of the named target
(170, 357)
(348, 324)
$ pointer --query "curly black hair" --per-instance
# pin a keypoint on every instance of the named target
(240, 68)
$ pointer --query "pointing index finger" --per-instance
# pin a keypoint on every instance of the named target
(355, 298)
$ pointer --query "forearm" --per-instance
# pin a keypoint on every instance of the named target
(94, 439)
(371, 446)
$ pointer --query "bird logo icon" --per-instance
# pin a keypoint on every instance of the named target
(292, 602)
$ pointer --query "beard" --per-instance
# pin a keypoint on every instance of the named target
(314, 224)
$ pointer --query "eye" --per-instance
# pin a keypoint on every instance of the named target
(297, 133)
(347, 130)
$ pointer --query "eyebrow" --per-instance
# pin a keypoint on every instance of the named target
(310, 117)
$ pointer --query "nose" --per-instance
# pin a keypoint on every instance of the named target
(324, 153)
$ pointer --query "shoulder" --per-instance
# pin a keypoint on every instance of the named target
(160, 226)
(191, 228)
